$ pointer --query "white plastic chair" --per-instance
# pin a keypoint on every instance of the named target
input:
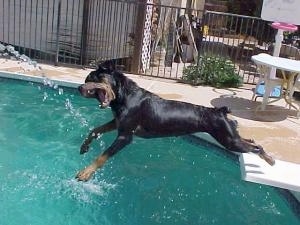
(295, 87)
(294, 53)
(271, 86)
(274, 86)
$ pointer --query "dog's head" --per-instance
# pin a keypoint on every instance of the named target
(99, 84)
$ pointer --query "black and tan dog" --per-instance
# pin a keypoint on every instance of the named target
(139, 112)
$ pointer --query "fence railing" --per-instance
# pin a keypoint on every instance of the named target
(149, 39)
(237, 38)
(69, 31)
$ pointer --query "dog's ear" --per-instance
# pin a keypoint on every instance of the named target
(224, 110)
(108, 66)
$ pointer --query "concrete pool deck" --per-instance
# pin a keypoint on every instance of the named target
(277, 128)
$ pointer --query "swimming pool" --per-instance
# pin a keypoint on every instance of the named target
(157, 181)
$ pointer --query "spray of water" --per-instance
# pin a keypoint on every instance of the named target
(76, 113)
(9, 52)
(84, 191)
(34, 183)
(27, 64)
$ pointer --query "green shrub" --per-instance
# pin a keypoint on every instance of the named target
(213, 71)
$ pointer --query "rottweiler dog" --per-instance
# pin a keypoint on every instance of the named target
(139, 112)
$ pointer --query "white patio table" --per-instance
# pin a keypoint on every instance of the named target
(266, 62)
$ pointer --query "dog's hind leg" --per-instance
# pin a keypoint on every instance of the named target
(257, 149)
(224, 130)
(242, 145)
(95, 132)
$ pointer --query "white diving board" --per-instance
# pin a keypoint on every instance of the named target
(283, 174)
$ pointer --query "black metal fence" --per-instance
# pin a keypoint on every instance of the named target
(150, 39)
(237, 38)
(68, 31)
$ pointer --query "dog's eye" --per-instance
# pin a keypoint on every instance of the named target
(91, 92)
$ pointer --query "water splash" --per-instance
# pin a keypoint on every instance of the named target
(45, 96)
(33, 184)
(69, 105)
(48, 82)
(60, 91)
(2, 48)
(84, 191)
(27, 64)
(76, 114)
(67, 102)
(9, 52)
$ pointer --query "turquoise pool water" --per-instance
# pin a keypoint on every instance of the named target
(157, 181)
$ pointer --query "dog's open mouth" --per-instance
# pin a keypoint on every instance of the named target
(105, 94)
(101, 91)
(103, 97)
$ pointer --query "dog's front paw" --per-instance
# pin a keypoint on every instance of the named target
(86, 174)
(84, 148)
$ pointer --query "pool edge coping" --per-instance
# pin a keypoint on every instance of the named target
(37, 79)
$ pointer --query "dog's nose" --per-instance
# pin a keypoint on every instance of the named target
(80, 88)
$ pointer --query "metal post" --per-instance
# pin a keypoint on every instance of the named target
(138, 36)
(84, 32)
(57, 33)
